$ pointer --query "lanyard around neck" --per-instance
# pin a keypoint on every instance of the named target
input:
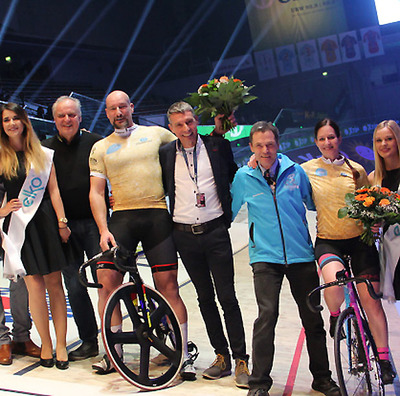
(194, 177)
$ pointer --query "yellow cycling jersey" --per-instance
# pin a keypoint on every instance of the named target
(132, 166)
(330, 183)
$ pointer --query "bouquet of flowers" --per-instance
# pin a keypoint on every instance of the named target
(371, 206)
(220, 96)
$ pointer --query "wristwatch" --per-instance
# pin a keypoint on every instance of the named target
(63, 220)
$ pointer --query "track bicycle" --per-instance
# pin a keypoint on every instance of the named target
(149, 329)
(356, 355)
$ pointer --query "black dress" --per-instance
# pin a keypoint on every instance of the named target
(42, 251)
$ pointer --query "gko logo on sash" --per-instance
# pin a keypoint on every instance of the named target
(35, 185)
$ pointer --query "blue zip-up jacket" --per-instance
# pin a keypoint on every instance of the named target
(277, 222)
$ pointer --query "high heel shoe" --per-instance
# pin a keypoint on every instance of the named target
(62, 364)
(47, 362)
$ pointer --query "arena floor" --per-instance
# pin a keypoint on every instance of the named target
(290, 371)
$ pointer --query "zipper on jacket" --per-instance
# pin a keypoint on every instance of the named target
(273, 189)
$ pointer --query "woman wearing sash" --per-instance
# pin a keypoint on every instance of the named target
(32, 237)
(332, 176)
(387, 174)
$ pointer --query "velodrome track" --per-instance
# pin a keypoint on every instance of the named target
(290, 371)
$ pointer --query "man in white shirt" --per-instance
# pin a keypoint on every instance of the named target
(197, 171)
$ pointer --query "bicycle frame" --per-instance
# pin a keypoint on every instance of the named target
(359, 346)
(355, 303)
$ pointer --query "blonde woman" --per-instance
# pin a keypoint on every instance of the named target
(33, 227)
(386, 142)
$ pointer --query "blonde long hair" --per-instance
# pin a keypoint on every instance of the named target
(380, 168)
(34, 155)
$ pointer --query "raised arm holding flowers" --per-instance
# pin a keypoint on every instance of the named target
(220, 96)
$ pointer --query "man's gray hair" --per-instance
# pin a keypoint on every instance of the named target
(179, 107)
(264, 126)
(62, 99)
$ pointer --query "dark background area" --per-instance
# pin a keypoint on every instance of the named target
(164, 49)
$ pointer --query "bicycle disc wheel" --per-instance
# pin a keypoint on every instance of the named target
(354, 376)
(141, 342)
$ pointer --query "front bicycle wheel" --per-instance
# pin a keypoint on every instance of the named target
(355, 375)
(143, 338)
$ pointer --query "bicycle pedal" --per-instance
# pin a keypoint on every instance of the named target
(192, 350)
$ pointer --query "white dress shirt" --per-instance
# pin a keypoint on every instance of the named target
(186, 210)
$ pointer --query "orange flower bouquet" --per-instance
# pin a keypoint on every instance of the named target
(371, 206)
(220, 96)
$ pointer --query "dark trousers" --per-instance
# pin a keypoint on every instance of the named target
(86, 239)
(19, 312)
(207, 258)
(268, 279)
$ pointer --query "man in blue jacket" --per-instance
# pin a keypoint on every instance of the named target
(280, 245)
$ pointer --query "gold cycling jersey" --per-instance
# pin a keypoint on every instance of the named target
(330, 183)
(131, 165)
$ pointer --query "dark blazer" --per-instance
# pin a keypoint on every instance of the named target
(222, 163)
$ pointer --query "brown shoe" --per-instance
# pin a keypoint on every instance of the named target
(220, 367)
(27, 348)
(5, 354)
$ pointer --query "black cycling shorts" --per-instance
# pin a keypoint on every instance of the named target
(364, 258)
(152, 227)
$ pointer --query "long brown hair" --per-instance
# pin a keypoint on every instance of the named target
(380, 168)
(34, 155)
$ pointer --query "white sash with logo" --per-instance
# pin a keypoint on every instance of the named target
(31, 195)
(389, 255)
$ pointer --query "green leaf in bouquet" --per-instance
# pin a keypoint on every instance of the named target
(342, 212)
(248, 99)
(392, 218)
(349, 198)
(193, 100)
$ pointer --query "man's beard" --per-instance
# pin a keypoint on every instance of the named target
(124, 125)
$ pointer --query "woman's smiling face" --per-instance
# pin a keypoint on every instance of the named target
(328, 142)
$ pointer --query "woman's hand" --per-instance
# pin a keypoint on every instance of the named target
(65, 233)
(11, 206)
(377, 227)
(111, 200)
(252, 163)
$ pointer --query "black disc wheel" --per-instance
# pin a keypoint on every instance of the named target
(151, 338)
(355, 375)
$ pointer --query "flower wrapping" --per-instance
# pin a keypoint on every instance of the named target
(220, 96)
(372, 206)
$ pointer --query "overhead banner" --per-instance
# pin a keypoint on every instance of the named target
(372, 41)
(275, 23)
(349, 46)
(265, 63)
(308, 55)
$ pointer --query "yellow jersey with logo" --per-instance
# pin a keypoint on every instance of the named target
(132, 167)
(330, 183)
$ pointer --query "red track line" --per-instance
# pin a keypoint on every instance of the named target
(295, 364)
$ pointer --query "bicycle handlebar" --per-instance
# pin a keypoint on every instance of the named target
(342, 280)
(82, 272)
(123, 259)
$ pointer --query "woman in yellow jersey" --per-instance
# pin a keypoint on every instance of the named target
(332, 176)
(387, 174)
